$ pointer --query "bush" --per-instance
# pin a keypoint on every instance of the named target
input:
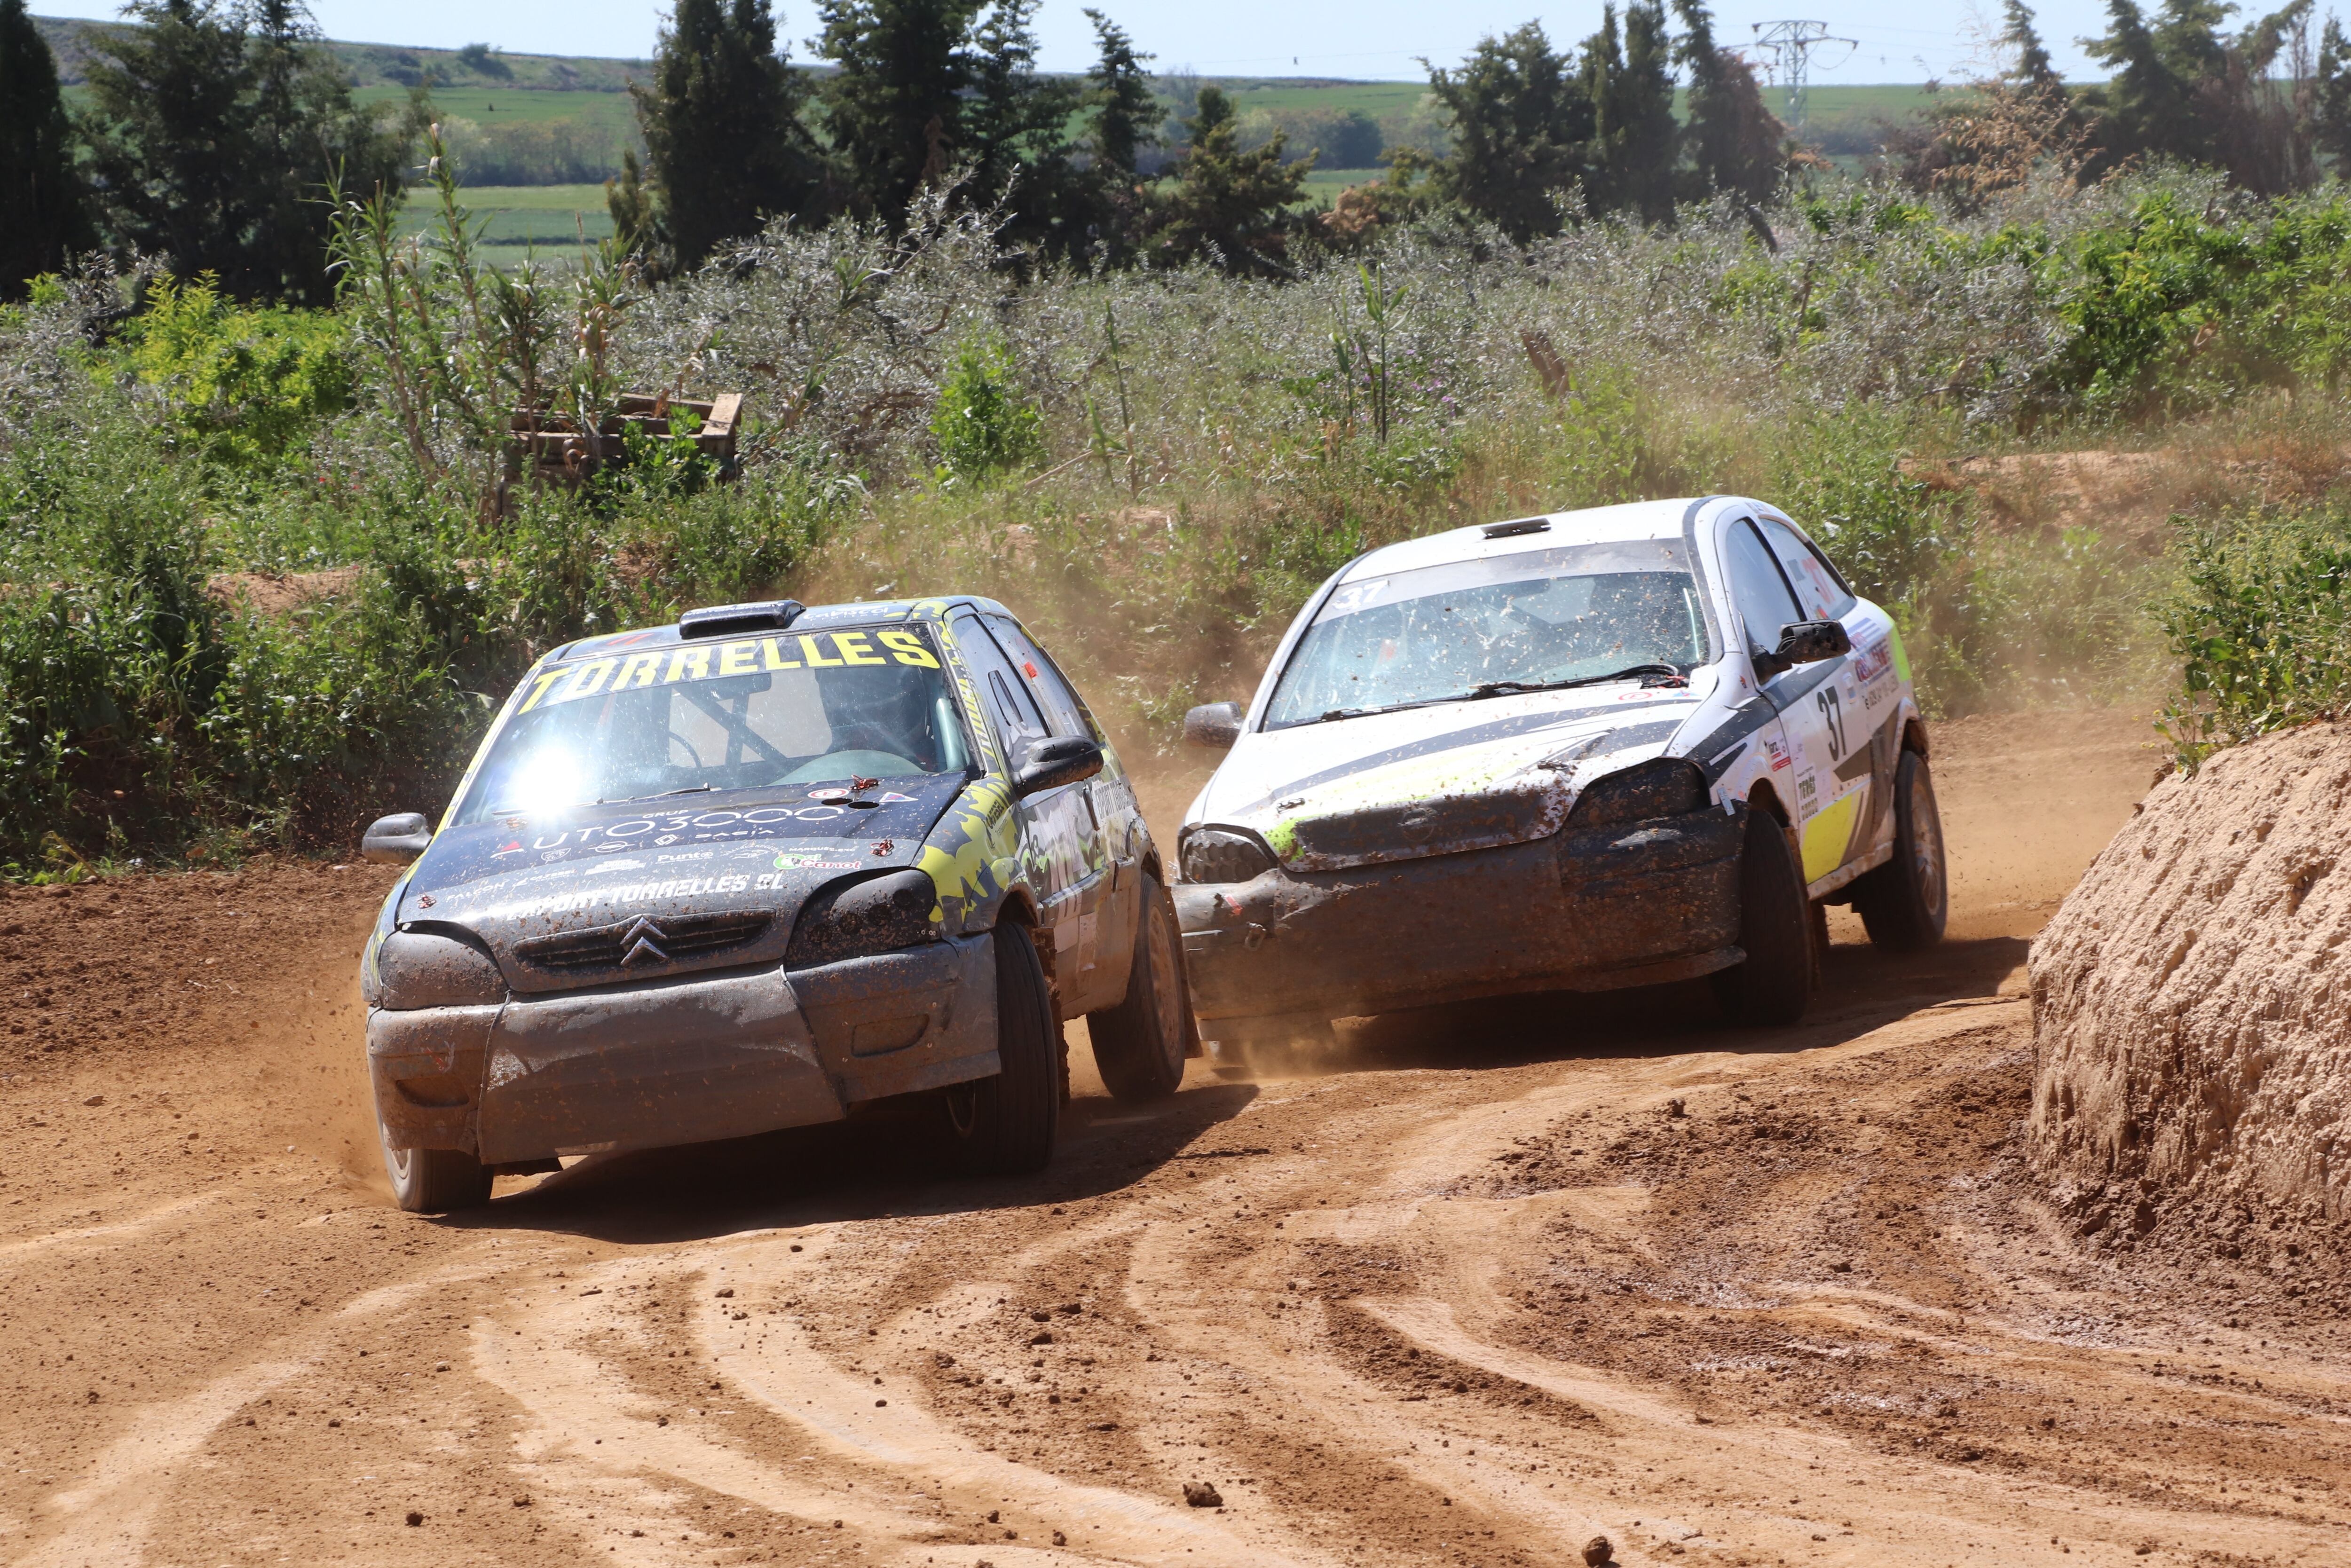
(248, 386)
(2261, 625)
(981, 424)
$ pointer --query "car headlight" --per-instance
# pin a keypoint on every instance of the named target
(1661, 787)
(1220, 854)
(856, 919)
(431, 970)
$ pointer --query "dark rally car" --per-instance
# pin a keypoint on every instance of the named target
(763, 869)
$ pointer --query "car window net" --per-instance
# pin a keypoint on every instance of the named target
(1534, 617)
(751, 713)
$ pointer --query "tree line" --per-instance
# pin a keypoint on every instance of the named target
(2260, 103)
(214, 126)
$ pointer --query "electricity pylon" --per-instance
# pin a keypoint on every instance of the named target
(1791, 45)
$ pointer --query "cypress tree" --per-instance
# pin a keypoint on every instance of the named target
(216, 134)
(1736, 143)
(725, 145)
(42, 213)
(893, 111)
(1635, 138)
(1226, 204)
(1122, 124)
(1523, 125)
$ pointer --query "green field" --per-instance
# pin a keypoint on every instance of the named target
(548, 218)
(606, 113)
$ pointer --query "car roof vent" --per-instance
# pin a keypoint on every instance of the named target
(734, 620)
(1512, 530)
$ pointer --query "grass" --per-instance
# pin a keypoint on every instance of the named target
(545, 215)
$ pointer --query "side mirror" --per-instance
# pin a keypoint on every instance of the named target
(1803, 642)
(1042, 765)
(396, 839)
(1215, 725)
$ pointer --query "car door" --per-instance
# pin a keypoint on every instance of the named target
(1110, 909)
(1812, 703)
(1862, 695)
(1061, 841)
(1763, 604)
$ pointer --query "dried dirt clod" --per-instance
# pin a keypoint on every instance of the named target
(1059, 1539)
(415, 1519)
(1200, 1494)
(727, 1295)
(95, 1099)
(1598, 1550)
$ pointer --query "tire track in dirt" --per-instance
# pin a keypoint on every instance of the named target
(1486, 1284)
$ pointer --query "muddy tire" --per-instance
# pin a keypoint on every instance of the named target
(1905, 902)
(434, 1181)
(1004, 1125)
(1139, 1044)
(1774, 986)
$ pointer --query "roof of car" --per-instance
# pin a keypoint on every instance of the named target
(815, 618)
(1480, 541)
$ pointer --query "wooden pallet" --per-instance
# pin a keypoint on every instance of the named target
(554, 450)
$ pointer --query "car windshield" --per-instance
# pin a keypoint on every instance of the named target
(753, 713)
(1482, 628)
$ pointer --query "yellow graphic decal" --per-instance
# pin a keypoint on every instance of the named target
(909, 649)
(966, 857)
(1828, 834)
(551, 684)
(852, 647)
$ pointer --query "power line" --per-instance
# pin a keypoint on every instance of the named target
(1791, 45)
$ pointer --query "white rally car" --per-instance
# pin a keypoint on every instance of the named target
(1597, 749)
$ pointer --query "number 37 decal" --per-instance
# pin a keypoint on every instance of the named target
(1832, 720)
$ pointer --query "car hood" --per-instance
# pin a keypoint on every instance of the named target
(721, 879)
(1432, 780)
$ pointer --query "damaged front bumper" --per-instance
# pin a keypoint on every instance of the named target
(1630, 904)
(685, 1061)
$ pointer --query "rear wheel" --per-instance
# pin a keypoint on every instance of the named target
(1004, 1125)
(1139, 1044)
(1774, 986)
(434, 1181)
(1905, 902)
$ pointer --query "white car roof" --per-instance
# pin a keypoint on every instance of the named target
(1595, 525)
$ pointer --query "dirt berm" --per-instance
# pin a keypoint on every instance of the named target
(2191, 1002)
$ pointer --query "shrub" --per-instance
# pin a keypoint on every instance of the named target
(248, 386)
(2261, 625)
(981, 424)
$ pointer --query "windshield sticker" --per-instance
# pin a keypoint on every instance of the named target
(1354, 596)
(722, 661)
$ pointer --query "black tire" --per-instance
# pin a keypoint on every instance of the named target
(1139, 1044)
(1774, 986)
(1905, 902)
(434, 1181)
(1004, 1125)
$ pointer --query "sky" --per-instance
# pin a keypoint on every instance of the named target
(1369, 39)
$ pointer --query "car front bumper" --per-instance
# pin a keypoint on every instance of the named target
(1585, 909)
(683, 1060)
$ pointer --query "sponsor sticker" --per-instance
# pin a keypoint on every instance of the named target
(581, 678)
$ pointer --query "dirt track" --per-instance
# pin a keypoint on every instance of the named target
(1480, 1288)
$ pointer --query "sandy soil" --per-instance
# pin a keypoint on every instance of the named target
(1477, 1290)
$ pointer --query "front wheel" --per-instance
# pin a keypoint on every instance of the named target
(1005, 1125)
(434, 1181)
(1139, 1044)
(1904, 903)
(1774, 986)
